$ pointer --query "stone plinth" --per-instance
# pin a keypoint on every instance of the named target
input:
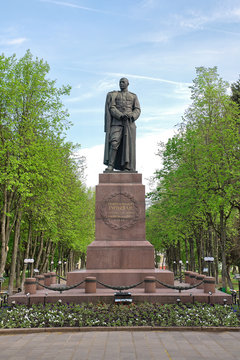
(118, 277)
(120, 254)
(120, 238)
(120, 207)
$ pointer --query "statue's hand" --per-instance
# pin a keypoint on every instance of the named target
(125, 118)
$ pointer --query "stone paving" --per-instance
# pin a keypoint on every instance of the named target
(122, 345)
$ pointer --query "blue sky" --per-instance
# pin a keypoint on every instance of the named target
(157, 44)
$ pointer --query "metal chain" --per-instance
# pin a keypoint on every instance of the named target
(119, 287)
(60, 277)
(61, 289)
(179, 288)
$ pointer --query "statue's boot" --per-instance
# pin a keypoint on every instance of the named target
(127, 167)
(112, 158)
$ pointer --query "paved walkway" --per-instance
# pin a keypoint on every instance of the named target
(122, 345)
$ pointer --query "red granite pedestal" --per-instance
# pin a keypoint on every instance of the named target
(120, 254)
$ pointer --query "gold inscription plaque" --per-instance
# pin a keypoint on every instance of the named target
(120, 211)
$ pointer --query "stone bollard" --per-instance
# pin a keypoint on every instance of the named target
(150, 284)
(40, 280)
(90, 284)
(30, 286)
(195, 278)
(192, 277)
(47, 279)
(53, 277)
(199, 278)
(209, 284)
(187, 277)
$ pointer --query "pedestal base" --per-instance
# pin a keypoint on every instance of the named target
(120, 255)
(118, 277)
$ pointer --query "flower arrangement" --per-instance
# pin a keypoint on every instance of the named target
(110, 315)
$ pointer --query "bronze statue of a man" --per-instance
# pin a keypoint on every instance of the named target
(122, 109)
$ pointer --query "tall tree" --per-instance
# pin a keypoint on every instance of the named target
(201, 163)
(30, 112)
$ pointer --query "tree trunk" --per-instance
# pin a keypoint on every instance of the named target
(223, 248)
(198, 241)
(14, 253)
(6, 227)
(211, 250)
(39, 250)
(216, 255)
(230, 284)
(186, 249)
(83, 260)
(192, 255)
(4, 240)
(34, 247)
(26, 255)
(18, 270)
(45, 260)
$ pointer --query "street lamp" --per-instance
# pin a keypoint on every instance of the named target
(28, 262)
(31, 261)
(209, 260)
(44, 299)
(59, 270)
(51, 266)
(234, 296)
(186, 265)
(209, 296)
(65, 268)
(1, 281)
(178, 301)
(174, 268)
(237, 276)
(180, 270)
(28, 299)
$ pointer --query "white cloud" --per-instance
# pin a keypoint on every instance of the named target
(197, 21)
(105, 85)
(79, 98)
(148, 4)
(99, 87)
(155, 37)
(147, 160)
(147, 147)
(158, 113)
(94, 161)
(143, 77)
(182, 91)
(71, 5)
(16, 41)
(235, 12)
(210, 51)
(86, 110)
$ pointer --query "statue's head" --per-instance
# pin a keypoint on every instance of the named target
(123, 83)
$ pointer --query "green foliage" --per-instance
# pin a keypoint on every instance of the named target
(41, 179)
(235, 87)
(199, 185)
(59, 315)
(31, 113)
